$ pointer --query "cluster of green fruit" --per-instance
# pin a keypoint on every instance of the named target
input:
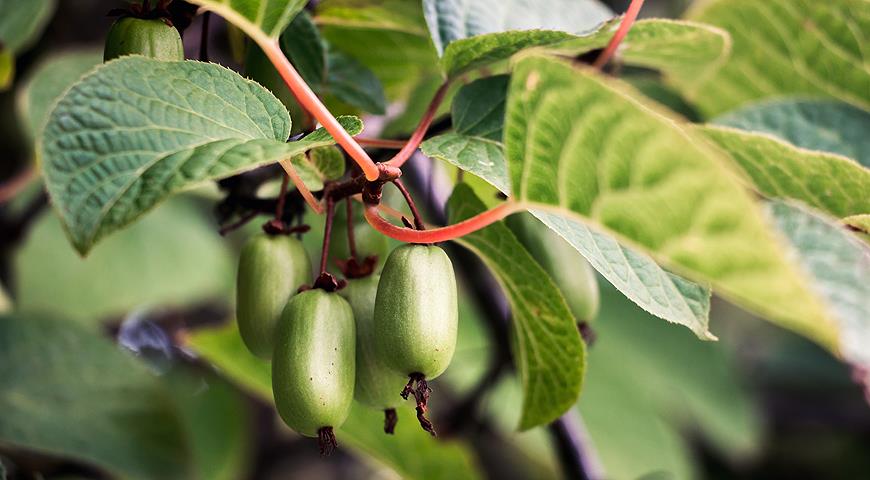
(378, 339)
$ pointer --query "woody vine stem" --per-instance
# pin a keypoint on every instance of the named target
(374, 174)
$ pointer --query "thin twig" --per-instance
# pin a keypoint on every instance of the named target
(241, 222)
(351, 240)
(327, 233)
(437, 235)
(418, 135)
(621, 32)
(300, 185)
(380, 143)
(418, 221)
(282, 195)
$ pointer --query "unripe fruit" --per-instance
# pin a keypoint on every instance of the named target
(271, 269)
(376, 385)
(566, 266)
(137, 36)
(416, 311)
(313, 365)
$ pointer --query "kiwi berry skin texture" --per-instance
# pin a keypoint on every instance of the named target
(377, 385)
(271, 269)
(416, 311)
(149, 37)
(313, 366)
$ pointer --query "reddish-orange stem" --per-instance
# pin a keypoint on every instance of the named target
(621, 32)
(415, 140)
(435, 235)
(309, 101)
(300, 185)
(380, 143)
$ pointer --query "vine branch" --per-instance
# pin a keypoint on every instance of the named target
(420, 132)
(619, 36)
(442, 234)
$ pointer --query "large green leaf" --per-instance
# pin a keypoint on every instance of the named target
(839, 266)
(590, 150)
(303, 45)
(826, 125)
(681, 49)
(785, 47)
(137, 130)
(835, 184)
(550, 355)
(45, 84)
(69, 392)
(478, 109)
(365, 31)
(257, 18)
(363, 430)
(171, 258)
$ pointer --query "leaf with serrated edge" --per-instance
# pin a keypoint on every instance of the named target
(589, 149)
(829, 182)
(479, 107)
(361, 432)
(318, 165)
(257, 18)
(839, 265)
(824, 125)
(137, 130)
(550, 356)
(785, 47)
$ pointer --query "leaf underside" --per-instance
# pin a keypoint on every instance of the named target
(587, 149)
(550, 354)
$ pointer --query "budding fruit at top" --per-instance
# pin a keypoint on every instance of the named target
(271, 269)
(566, 266)
(313, 365)
(416, 311)
(137, 36)
(376, 385)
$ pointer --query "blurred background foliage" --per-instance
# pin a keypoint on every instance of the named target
(127, 363)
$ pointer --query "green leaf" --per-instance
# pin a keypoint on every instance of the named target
(354, 84)
(586, 148)
(48, 81)
(362, 432)
(839, 266)
(69, 392)
(318, 165)
(478, 119)
(826, 125)
(453, 20)
(302, 44)
(171, 258)
(257, 18)
(835, 184)
(479, 107)
(785, 47)
(550, 355)
(361, 31)
(22, 22)
(138, 130)
(637, 276)
(681, 49)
